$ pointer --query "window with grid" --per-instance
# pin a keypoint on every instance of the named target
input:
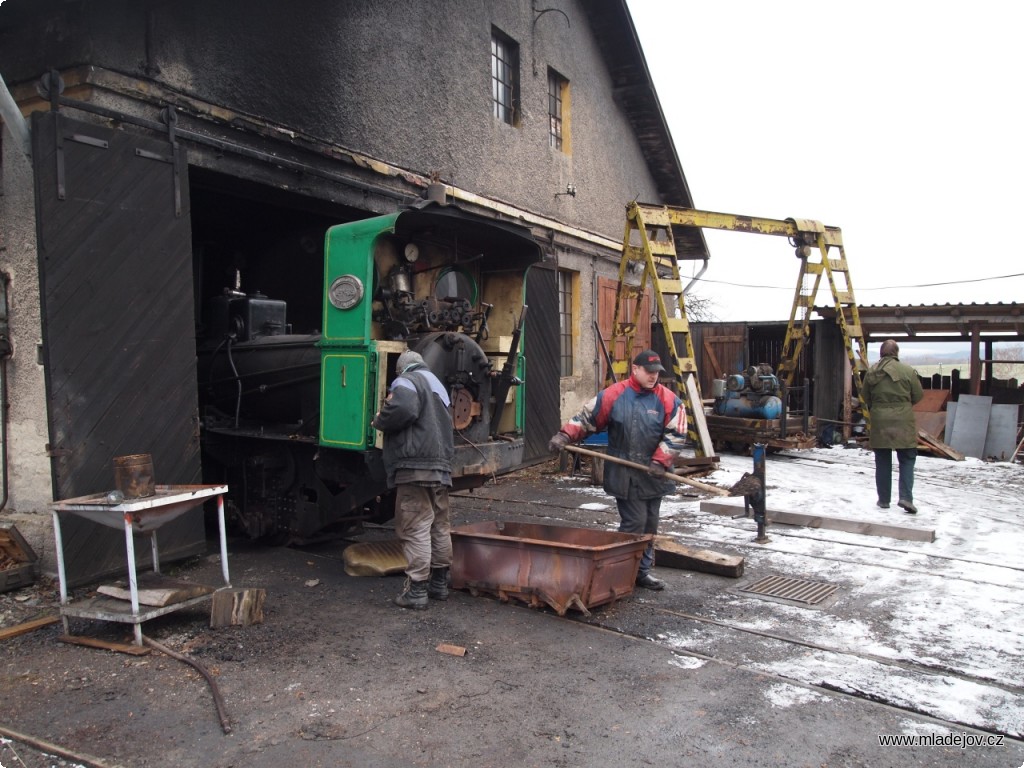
(565, 325)
(505, 77)
(558, 94)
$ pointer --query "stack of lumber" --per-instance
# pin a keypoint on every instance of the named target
(930, 416)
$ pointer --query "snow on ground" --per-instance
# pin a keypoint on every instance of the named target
(935, 625)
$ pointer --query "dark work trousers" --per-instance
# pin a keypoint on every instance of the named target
(883, 473)
(640, 516)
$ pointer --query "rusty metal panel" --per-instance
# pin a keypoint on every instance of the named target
(558, 566)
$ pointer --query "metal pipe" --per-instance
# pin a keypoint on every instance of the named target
(6, 350)
(13, 119)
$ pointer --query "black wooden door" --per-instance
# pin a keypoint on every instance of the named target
(115, 272)
(540, 345)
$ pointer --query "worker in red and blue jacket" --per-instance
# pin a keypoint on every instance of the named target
(646, 425)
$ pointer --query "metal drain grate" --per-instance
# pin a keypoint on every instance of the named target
(788, 588)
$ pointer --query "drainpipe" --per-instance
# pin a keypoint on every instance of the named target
(13, 119)
(5, 353)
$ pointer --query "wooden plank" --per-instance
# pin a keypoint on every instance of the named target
(831, 523)
(237, 607)
(933, 423)
(938, 447)
(453, 650)
(934, 401)
(28, 626)
(671, 554)
(157, 590)
(94, 642)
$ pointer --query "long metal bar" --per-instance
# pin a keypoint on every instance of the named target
(712, 489)
(795, 228)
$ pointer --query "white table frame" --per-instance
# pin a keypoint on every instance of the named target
(142, 515)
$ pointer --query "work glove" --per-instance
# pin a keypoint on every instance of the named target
(656, 470)
(558, 442)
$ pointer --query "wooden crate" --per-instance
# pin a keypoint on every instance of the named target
(19, 565)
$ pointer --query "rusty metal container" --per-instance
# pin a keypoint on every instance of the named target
(559, 566)
(133, 475)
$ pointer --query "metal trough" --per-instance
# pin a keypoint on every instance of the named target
(558, 566)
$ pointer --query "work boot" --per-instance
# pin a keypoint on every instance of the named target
(414, 595)
(647, 581)
(883, 504)
(907, 506)
(437, 588)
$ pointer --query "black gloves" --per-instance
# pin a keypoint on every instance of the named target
(656, 470)
(558, 442)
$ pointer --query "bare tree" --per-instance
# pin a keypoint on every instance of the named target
(1009, 370)
(700, 309)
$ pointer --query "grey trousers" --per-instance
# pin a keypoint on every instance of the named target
(638, 515)
(423, 526)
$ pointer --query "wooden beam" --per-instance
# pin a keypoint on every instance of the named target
(671, 554)
(95, 642)
(821, 521)
(28, 626)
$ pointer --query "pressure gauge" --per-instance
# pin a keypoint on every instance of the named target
(412, 252)
(345, 292)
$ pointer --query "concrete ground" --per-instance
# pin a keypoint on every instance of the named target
(338, 676)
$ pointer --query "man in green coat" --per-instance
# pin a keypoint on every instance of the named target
(890, 391)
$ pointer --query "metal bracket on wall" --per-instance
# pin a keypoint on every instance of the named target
(170, 118)
(50, 87)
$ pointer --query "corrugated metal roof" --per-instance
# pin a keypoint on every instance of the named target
(937, 322)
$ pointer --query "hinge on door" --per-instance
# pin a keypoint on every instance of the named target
(50, 87)
(56, 453)
(170, 117)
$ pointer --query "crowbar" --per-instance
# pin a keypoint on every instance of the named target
(712, 489)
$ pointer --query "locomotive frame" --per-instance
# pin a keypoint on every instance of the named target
(285, 418)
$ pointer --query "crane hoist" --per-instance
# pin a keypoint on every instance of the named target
(649, 247)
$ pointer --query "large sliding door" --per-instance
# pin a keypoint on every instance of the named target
(118, 324)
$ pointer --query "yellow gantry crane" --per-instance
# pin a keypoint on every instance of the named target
(649, 242)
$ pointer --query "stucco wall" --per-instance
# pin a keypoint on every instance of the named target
(28, 467)
(405, 82)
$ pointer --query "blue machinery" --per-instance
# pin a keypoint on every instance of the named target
(753, 394)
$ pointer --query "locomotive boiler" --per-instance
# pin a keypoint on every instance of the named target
(286, 417)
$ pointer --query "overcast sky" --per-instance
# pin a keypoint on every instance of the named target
(897, 122)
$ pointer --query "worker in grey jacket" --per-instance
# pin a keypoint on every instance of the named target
(418, 451)
(890, 391)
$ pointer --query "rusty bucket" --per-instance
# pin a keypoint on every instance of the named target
(133, 475)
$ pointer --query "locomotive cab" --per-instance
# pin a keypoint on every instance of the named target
(286, 417)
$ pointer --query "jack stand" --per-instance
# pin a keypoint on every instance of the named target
(756, 498)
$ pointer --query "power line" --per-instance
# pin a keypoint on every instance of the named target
(880, 288)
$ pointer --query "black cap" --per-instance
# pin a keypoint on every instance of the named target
(649, 360)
